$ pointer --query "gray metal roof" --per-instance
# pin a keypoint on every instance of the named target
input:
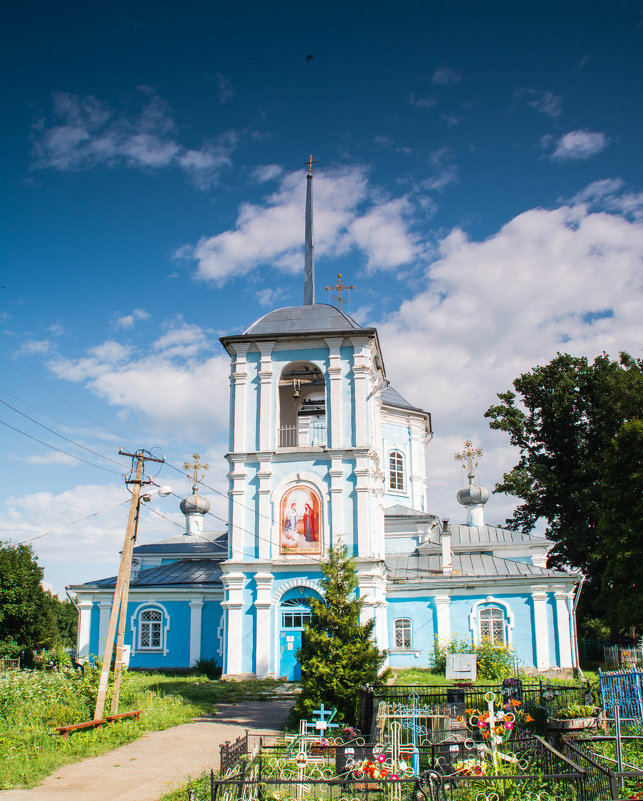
(402, 567)
(179, 573)
(476, 537)
(295, 319)
(391, 397)
(405, 511)
(215, 544)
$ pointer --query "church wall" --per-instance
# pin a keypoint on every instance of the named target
(94, 647)
(552, 627)
(210, 625)
(401, 543)
(423, 629)
(178, 636)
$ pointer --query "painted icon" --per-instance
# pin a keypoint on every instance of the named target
(300, 524)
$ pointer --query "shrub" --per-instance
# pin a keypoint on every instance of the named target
(495, 660)
(438, 658)
(207, 667)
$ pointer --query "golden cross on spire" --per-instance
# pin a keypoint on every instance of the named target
(310, 163)
(196, 467)
(469, 457)
(339, 289)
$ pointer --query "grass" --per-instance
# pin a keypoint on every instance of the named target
(33, 704)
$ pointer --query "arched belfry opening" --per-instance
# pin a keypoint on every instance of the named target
(302, 406)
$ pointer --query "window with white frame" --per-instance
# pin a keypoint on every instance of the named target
(492, 624)
(403, 634)
(396, 470)
(150, 629)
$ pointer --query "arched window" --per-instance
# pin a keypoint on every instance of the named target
(403, 634)
(396, 471)
(492, 624)
(302, 406)
(295, 613)
(150, 624)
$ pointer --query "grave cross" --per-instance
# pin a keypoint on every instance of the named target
(323, 718)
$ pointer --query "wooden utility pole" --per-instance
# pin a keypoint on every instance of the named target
(121, 591)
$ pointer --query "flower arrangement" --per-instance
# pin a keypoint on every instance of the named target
(470, 767)
(504, 721)
(374, 770)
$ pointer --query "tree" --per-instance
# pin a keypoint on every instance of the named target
(27, 617)
(565, 418)
(338, 654)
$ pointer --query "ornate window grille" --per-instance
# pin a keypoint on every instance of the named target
(150, 629)
(492, 625)
(295, 613)
(403, 634)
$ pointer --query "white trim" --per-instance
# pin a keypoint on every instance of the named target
(490, 600)
(196, 610)
(292, 584)
(397, 647)
(165, 627)
(389, 488)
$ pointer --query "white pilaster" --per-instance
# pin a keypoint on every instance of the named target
(266, 548)
(563, 602)
(263, 605)
(239, 377)
(237, 506)
(84, 626)
(360, 378)
(362, 491)
(541, 634)
(442, 603)
(105, 610)
(336, 473)
(417, 464)
(335, 376)
(196, 610)
(233, 583)
(266, 436)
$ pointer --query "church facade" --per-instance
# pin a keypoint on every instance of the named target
(323, 452)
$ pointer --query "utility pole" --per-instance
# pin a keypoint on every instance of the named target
(121, 591)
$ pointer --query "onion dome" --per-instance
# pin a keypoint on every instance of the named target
(195, 503)
(474, 498)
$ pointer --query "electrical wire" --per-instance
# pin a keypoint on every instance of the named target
(74, 522)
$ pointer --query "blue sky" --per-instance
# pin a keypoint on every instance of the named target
(479, 182)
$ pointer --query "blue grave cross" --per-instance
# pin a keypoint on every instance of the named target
(322, 719)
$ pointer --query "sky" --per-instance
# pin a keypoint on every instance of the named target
(478, 181)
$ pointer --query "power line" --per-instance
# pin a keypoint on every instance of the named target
(58, 434)
(59, 450)
(73, 522)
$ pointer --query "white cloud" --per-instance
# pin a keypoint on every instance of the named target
(564, 279)
(51, 458)
(577, 145)
(541, 100)
(226, 90)
(34, 347)
(129, 320)
(84, 132)
(267, 172)
(445, 76)
(608, 194)
(349, 213)
(422, 102)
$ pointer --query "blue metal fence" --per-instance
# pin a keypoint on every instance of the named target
(624, 687)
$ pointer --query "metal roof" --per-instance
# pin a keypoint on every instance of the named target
(297, 319)
(179, 573)
(215, 544)
(476, 537)
(391, 397)
(402, 567)
(404, 511)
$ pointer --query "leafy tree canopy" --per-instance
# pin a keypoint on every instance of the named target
(338, 654)
(576, 425)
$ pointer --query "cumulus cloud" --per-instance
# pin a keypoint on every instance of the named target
(566, 279)
(176, 388)
(541, 100)
(445, 76)
(576, 145)
(129, 320)
(84, 132)
(34, 347)
(350, 214)
(609, 194)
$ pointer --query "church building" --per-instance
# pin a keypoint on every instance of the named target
(324, 451)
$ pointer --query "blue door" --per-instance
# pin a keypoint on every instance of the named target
(294, 613)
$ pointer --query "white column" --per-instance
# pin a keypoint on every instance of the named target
(264, 523)
(417, 464)
(336, 473)
(334, 433)
(360, 376)
(362, 492)
(563, 626)
(233, 583)
(239, 377)
(237, 494)
(105, 608)
(541, 634)
(84, 626)
(263, 606)
(442, 603)
(266, 436)
(196, 609)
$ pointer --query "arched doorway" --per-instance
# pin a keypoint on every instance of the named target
(294, 613)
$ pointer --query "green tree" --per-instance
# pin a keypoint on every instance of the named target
(565, 417)
(27, 617)
(338, 654)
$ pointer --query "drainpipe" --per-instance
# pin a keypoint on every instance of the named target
(574, 627)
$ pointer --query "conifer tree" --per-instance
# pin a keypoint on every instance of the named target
(338, 654)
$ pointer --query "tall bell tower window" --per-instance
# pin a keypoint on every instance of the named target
(302, 406)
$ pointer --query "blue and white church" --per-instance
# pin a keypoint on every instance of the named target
(324, 451)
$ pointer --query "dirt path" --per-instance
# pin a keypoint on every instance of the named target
(151, 766)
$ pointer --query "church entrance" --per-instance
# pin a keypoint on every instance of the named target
(294, 613)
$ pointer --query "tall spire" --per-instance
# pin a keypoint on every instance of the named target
(309, 263)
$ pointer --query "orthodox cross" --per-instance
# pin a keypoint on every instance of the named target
(310, 163)
(469, 457)
(323, 717)
(196, 468)
(339, 289)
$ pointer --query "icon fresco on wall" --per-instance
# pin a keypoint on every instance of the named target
(300, 523)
